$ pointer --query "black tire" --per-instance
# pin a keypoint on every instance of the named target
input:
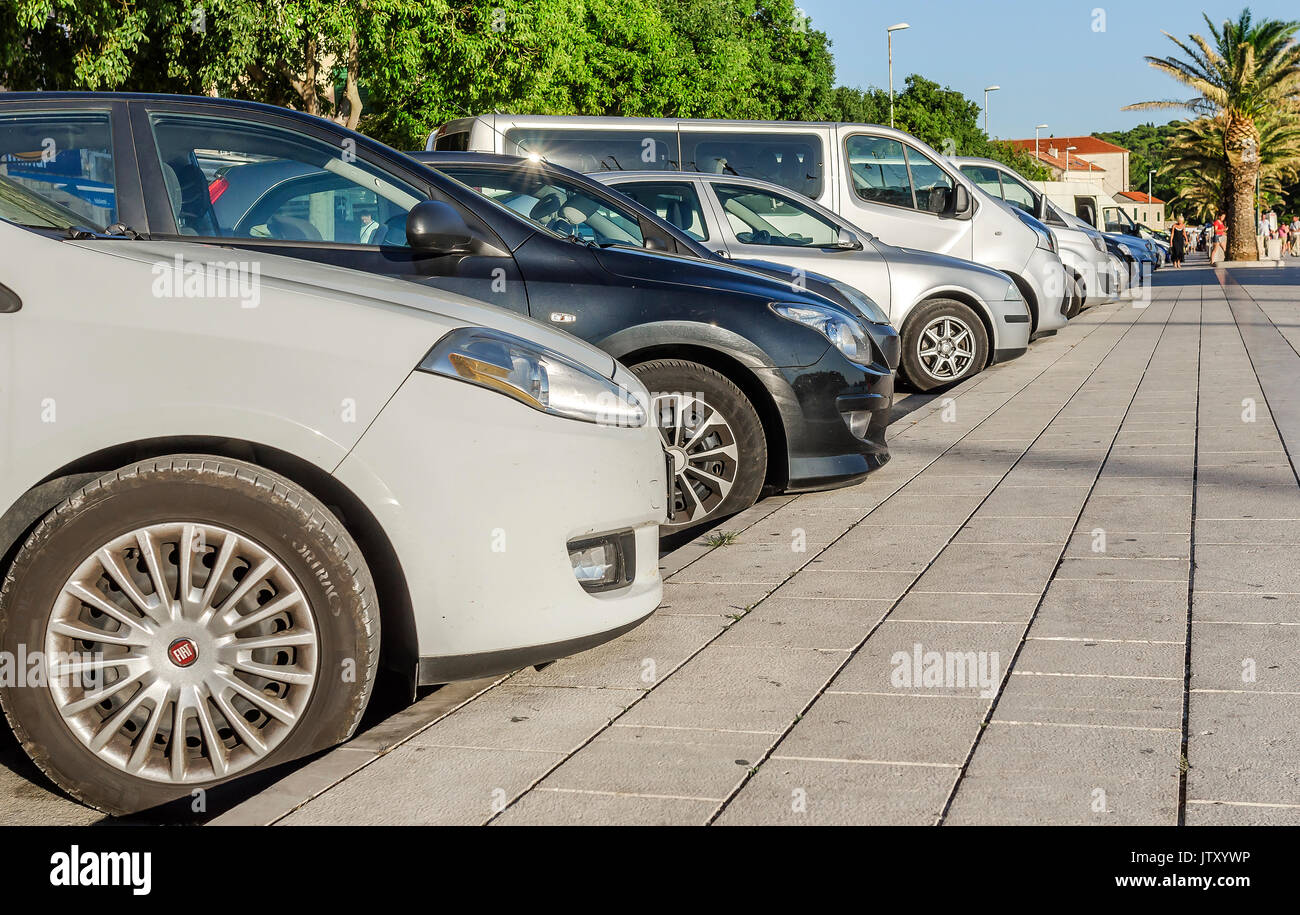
(912, 366)
(1077, 294)
(276, 515)
(667, 377)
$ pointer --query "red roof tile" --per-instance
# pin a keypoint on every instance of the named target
(1087, 146)
(1139, 197)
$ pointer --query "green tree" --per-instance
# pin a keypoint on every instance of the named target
(1250, 71)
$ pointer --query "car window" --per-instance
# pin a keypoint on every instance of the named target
(790, 160)
(985, 178)
(65, 157)
(596, 150)
(240, 179)
(1018, 195)
(675, 202)
(878, 170)
(553, 202)
(762, 218)
(931, 185)
(1116, 220)
(21, 206)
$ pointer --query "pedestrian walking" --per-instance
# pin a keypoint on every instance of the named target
(1178, 243)
(1220, 237)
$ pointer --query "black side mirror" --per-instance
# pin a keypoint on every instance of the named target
(655, 243)
(436, 226)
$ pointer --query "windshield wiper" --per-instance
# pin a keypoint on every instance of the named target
(116, 230)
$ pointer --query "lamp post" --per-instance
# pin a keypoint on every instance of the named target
(987, 90)
(889, 37)
(1149, 199)
(1036, 129)
(1068, 150)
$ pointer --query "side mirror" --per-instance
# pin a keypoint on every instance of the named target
(436, 226)
(961, 201)
(848, 241)
(655, 243)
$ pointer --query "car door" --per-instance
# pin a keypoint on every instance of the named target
(761, 224)
(896, 191)
(254, 181)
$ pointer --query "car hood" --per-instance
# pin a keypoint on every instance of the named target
(363, 289)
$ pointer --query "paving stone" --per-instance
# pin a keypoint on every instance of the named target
(925, 727)
(1138, 513)
(979, 653)
(1093, 658)
(572, 808)
(1091, 700)
(1108, 609)
(1252, 567)
(1210, 532)
(1016, 530)
(1243, 747)
(737, 687)
(1218, 814)
(709, 600)
(426, 786)
(1246, 608)
(965, 607)
(833, 585)
(797, 792)
(1034, 502)
(1247, 657)
(1245, 500)
(1019, 568)
(874, 547)
(782, 622)
(1129, 545)
(1059, 775)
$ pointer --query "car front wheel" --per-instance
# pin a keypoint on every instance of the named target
(713, 435)
(196, 618)
(944, 342)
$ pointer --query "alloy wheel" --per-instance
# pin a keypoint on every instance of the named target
(181, 652)
(703, 448)
(946, 348)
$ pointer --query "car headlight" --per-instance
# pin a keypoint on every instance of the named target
(847, 335)
(862, 302)
(1099, 243)
(1013, 294)
(535, 375)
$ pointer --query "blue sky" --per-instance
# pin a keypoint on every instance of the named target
(1053, 67)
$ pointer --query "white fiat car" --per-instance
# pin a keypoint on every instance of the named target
(231, 489)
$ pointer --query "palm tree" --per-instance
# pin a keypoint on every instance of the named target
(1196, 161)
(1248, 74)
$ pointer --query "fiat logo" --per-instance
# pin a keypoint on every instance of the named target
(183, 652)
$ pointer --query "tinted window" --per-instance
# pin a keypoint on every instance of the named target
(762, 218)
(790, 160)
(454, 142)
(552, 202)
(240, 179)
(676, 203)
(878, 170)
(65, 157)
(596, 150)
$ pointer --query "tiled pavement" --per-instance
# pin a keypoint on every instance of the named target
(1102, 535)
(1097, 541)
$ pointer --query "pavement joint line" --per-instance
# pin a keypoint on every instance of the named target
(1072, 638)
(657, 797)
(1076, 724)
(1054, 673)
(1246, 804)
(1123, 334)
(681, 727)
(466, 746)
(978, 593)
(906, 695)
(1244, 623)
(1125, 581)
(1119, 426)
(1246, 692)
(960, 622)
(865, 762)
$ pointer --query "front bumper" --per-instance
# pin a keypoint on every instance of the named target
(1046, 277)
(479, 497)
(815, 403)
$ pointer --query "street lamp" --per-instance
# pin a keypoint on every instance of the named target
(1036, 129)
(1149, 174)
(1068, 150)
(889, 33)
(987, 90)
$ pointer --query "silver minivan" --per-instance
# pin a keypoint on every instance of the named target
(1082, 250)
(955, 317)
(884, 180)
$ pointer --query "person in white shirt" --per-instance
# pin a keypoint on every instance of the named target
(368, 229)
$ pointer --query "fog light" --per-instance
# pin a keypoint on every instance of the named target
(859, 423)
(604, 563)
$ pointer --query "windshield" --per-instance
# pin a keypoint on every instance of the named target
(553, 202)
(1117, 220)
(22, 207)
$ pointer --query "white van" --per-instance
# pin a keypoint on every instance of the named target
(884, 180)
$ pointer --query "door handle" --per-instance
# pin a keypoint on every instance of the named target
(9, 301)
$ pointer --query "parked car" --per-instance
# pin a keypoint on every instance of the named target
(230, 489)
(518, 183)
(955, 317)
(1082, 249)
(884, 180)
(756, 384)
